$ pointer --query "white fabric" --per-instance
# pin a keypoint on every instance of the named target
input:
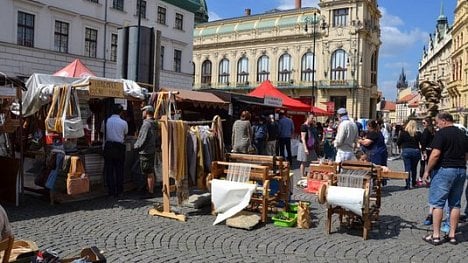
(344, 156)
(40, 88)
(229, 198)
(349, 198)
(116, 129)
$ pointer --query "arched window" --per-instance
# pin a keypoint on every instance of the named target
(307, 67)
(374, 68)
(242, 70)
(193, 73)
(338, 65)
(223, 76)
(263, 68)
(206, 72)
(284, 68)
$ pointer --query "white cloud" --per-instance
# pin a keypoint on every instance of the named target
(290, 4)
(396, 41)
(389, 20)
(212, 16)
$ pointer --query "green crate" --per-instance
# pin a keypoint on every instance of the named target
(278, 219)
(294, 205)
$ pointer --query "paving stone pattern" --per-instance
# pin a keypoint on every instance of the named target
(126, 233)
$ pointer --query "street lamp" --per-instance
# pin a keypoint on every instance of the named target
(313, 21)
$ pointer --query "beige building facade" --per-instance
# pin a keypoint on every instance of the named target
(457, 88)
(330, 54)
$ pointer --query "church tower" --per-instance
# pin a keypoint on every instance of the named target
(402, 83)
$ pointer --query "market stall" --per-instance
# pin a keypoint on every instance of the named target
(64, 117)
(10, 133)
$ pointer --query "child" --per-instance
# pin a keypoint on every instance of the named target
(361, 156)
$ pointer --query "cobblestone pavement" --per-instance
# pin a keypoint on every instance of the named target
(126, 233)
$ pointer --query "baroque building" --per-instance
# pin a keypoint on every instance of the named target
(330, 54)
(436, 63)
(457, 88)
(42, 36)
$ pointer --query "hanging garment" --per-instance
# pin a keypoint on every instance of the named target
(192, 145)
(217, 129)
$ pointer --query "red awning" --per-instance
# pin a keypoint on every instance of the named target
(267, 89)
(75, 69)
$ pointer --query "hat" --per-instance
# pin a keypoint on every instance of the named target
(342, 111)
(148, 108)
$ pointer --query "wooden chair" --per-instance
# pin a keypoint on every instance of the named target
(5, 246)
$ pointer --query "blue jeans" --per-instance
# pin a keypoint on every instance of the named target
(411, 157)
(466, 196)
(447, 185)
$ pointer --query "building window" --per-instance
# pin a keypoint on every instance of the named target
(284, 68)
(374, 68)
(113, 55)
(243, 71)
(162, 58)
(61, 36)
(142, 8)
(338, 65)
(94, 1)
(306, 67)
(340, 101)
(340, 17)
(223, 77)
(90, 42)
(177, 60)
(118, 4)
(25, 34)
(263, 68)
(179, 21)
(206, 72)
(161, 15)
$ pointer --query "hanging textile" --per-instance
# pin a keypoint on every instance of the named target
(177, 131)
(217, 128)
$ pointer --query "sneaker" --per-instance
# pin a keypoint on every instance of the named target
(445, 227)
(428, 220)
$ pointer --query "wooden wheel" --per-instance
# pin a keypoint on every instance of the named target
(322, 194)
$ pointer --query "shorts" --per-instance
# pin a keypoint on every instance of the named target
(147, 163)
(447, 185)
(303, 157)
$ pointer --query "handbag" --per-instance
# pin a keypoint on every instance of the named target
(77, 180)
(52, 121)
(71, 119)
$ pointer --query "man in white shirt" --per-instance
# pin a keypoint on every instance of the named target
(5, 228)
(346, 137)
(114, 151)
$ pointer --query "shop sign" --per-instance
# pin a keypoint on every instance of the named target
(273, 101)
(108, 89)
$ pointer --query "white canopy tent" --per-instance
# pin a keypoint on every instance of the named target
(40, 89)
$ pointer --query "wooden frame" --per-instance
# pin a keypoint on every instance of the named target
(258, 173)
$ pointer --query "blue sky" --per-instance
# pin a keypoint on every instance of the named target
(405, 26)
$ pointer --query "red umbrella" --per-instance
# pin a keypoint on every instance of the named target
(75, 69)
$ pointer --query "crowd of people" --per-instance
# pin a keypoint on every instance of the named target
(440, 149)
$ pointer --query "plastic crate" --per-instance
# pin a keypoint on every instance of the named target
(279, 220)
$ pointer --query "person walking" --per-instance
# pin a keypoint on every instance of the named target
(346, 136)
(273, 132)
(114, 151)
(328, 137)
(409, 140)
(286, 130)
(309, 140)
(146, 145)
(448, 161)
(426, 141)
(242, 134)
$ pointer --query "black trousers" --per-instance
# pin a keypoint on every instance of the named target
(285, 143)
(114, 160)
